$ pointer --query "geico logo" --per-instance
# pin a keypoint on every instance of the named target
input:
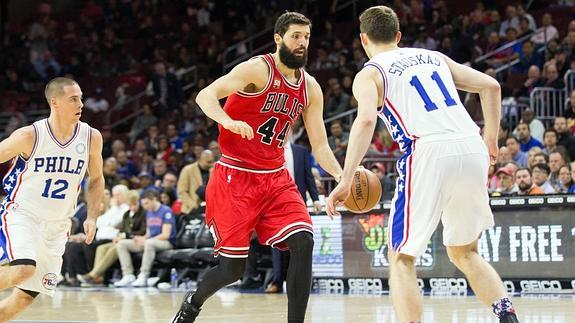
(540, 285)
(420, 283)
(330, 284)
(516, 201)
(555, 200)
(498, 202)
(571, 199)
(509, 286)
(365, 283)
(448, 283)
(538, 200)
(327, 259)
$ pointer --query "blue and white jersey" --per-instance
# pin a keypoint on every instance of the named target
(420, 96)
(46, 184)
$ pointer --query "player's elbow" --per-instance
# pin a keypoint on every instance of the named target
(365, 122)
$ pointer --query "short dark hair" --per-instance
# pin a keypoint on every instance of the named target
(542, 167)
(523, 168)
(380, 24)
(514, 138)
(290, 18)
(551, 130)
(55, 87)
(150, 194)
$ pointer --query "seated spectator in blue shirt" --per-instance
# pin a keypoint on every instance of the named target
(514, 147)
(528, 57)
(527, 142)
(160, 236)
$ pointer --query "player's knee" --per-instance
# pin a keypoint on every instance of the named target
(20, 273)
(300, 242)
(233, 268)
(400, 260)
(460, 256)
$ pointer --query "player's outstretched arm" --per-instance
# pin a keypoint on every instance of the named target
(253, 73)
(313, 120)
(21, 141)
(470, 80)
(366, 93)
(95, 185)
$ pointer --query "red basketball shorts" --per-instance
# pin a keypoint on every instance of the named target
(239, 202)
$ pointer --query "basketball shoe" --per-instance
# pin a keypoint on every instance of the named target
(188, 311)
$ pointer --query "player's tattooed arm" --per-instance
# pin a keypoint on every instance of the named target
(95, 185)
(21, 141)
(250, 76)
(313, 120)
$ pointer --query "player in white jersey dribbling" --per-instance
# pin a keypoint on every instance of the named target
(443, 172)
(49, 161)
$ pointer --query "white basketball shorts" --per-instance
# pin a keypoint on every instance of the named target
(24, 237)
(440, 178)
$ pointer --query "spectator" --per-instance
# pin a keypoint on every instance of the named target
(557, 159)
(110, 172)
(80, 256)
(527, 58)
(517, 155)
(525, 138)
(540, 158)
(160, 235)
(504, 156)
(565, 178)
(133, 224)
(168, 198)
(174, 137)
(572, 187)
(142, 122)
(522, 14)
(507, 186)
(569, 113)
(524, 29)
(531, 156)
(97, 103)
(338, 139)
(387, 184)
(503, 133)
(125, 167)
(546, 32)
(146, 182)
(169, 181)
(533, 80)
(549, 141)
(525, 183)
(541, 178)
(552, 77)
(565, 138)
(511, 21)
(214, 147)
(337, 101)
(167, 88)
(192, 178)
(160, 169)
(164, 149)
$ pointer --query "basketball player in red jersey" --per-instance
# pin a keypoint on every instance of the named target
(250, 189)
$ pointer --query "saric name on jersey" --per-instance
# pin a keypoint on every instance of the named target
(59, 164)
(277, 102)
(402, 64)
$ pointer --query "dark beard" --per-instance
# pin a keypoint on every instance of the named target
(290, 60)
(524, 186)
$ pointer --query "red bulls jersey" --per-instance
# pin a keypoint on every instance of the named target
(271, 113)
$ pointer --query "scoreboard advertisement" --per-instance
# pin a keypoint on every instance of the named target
(532, 247)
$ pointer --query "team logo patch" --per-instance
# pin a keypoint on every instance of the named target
(49, 281)
(80, 148)
(277, 83)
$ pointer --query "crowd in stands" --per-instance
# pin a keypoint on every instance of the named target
(116, 49)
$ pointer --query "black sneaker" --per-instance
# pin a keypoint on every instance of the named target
(509, 318)
(188, 312)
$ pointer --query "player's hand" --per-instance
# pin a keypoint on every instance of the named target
(492, 149)
(89, 230)
(240, 128)
(316, 207)
(336, 198)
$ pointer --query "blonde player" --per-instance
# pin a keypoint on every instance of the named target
(49, 160)
(443, 172)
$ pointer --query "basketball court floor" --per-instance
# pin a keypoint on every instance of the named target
(229, 306)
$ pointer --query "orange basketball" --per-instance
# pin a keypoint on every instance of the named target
(365, 192)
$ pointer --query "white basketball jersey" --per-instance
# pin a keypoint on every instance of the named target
(47, 184)
(420, 96)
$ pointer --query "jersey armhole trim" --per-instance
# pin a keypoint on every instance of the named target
(268, 84)
(89, 141)
(384, 79)
(36, 138)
